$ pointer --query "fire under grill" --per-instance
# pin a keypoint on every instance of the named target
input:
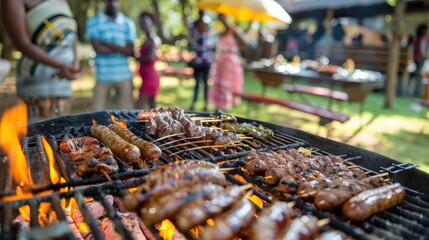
(408, 220)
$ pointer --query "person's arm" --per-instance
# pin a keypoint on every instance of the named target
(101, 48)
(13, 16)
(127, 50)
(240, 37)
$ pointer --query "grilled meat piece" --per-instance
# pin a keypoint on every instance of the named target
(158, 209)
(136, 200)
(331, 198)
(197, 212)
(271, 222)
(147, 149)
(228, 224)
(368, 202)
(78, 143)
(126, 151)
(95, 167)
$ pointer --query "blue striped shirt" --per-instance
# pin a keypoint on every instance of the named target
(112, 68)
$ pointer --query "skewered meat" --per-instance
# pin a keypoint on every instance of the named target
(228, 224)
(192, 176)
(143, 116)
(271, 222)
(165, 206)
(177, 168)
(331, 198)
(366, 203)
(303, 228)
(147, 149)
(123, 149)
(96, 167)
(197, 212)
(90, 158)
(74, 144)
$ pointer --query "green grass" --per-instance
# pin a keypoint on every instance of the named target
(399, 133)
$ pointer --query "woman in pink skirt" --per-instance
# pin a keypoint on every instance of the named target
(150, 77)
(227, 70)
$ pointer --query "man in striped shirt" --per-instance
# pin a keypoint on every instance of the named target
(112, 36)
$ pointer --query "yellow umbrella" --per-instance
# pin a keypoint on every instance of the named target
(248, 10)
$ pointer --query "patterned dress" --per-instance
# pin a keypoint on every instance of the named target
(227, 74)
(50, 26)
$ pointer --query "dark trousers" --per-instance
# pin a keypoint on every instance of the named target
(201, 73)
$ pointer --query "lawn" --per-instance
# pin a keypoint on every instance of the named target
(399, 133)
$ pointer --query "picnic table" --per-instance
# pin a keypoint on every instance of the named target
(355, 87)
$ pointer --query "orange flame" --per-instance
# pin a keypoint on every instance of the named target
(14, 125)
(121, 122)
(166, 230)
(53, 174)
(256, 200)
(240, 178)
(210, 222)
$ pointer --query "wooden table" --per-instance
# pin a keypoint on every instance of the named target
(357, 89)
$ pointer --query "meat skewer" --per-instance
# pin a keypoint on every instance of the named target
(147, 149)
(90, 158)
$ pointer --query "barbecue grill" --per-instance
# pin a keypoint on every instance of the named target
(409, 220)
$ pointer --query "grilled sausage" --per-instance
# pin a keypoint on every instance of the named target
(124, 150)
(177, 168)
(271, 222)
(366, 203)
(197, 212)
(230, 223)
(165, 206)
(136, 200)
(148, 150)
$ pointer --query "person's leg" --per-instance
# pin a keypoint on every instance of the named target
(205, 78)
(125, 95)
(152, 102)
(101, 90)
(197, 74)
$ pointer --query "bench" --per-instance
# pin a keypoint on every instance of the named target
(326, 115)
(180, 73)
(316, 91)
(375, 58)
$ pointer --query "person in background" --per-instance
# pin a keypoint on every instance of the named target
(421, 45)
(112, 36)
(45, 33)
(147, 58)
(203, 46)
(228, 69)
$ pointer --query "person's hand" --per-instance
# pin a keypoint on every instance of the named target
(70, 72)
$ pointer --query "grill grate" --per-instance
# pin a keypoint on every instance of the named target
(409, 220)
